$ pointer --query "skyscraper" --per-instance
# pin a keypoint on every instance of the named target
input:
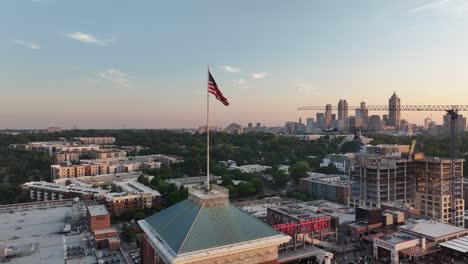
(363, 114)
(328, 115)
(394, 112)
(342, 110)
(310, 124)
(320, 120)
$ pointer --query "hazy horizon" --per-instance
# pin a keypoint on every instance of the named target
(109, 64)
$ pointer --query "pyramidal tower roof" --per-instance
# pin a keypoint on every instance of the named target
(206, 220)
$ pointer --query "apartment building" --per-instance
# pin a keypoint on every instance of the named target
(96, 140)
(334, 188)
(60, 171)
(47, 191)
(131, 195)
(64, 156)
(123, 195)
(107, 154)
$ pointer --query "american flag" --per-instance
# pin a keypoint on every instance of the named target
(213, 89)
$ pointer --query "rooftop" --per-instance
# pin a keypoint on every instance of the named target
(398, 237)
(430, 228)
(97, 210)
(191, 225)
(134, 187)
(37, 231)
(459, 244)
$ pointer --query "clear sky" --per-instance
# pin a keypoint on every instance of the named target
(142, 64)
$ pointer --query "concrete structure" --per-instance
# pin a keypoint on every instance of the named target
(333, 188)
(387, 150)
(394, 113)
(376, 180)
(433, 194)
(179, 234)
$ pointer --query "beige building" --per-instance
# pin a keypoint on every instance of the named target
(96, 140)
(108, 154)
(60, 171)
(433, 193)
(64, 156)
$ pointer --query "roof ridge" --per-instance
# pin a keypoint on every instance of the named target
(191, 226)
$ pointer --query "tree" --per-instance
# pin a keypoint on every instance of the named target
(139, 216)
(281, 178)
(330, 169)
(299, 170)
(245, 188)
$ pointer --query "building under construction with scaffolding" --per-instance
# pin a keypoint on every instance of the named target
(376, 180)
(422, 183)
(433, 193)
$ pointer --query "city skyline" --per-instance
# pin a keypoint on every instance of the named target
(93, 69)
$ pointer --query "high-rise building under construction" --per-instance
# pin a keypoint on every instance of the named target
(433, 193)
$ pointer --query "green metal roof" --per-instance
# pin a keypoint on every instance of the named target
(188, 227)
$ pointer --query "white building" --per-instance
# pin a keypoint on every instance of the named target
(251, 168)
(340, 161)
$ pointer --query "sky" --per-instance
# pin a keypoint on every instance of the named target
(143, 64)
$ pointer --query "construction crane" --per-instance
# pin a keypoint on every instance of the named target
(451, 110)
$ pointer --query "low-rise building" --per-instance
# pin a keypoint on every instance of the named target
(47, 191)
(333, 188)
(340, 161)
(188, 182)
(96, 140)
(131, 195)
(168, 160)
(117, 194)
(105, 236)
(416, 238)
(250, 168)
(107, 154)
(65, 156)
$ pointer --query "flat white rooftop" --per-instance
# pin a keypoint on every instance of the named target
(430, 228)
(97, 210)
(40, 226)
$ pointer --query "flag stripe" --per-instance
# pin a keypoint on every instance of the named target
(214, 90)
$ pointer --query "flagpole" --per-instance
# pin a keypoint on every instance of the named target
(208, 132)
